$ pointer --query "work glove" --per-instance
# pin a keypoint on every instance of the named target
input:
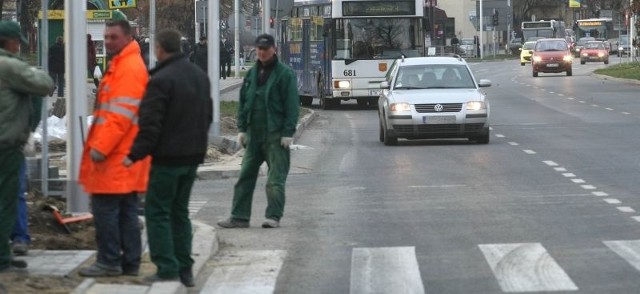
(127, 162)
(30, 147)
(242, 139)
(96, 156)
(286, 142)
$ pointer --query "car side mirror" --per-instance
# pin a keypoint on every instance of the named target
(484, 83)
(384, 85)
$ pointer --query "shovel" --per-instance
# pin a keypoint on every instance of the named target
(65, 220)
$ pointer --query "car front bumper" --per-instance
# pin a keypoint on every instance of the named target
(416, 125)
(551, 66)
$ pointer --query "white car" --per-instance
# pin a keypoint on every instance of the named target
(432, 97)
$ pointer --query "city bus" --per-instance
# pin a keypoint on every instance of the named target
(341, 49)
(599, 28)
(533, 30)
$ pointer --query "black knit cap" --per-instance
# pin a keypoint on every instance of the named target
(265, 41)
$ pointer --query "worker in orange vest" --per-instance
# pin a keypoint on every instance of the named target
(113, 187)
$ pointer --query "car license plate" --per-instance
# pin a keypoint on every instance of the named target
(447, 119)
(552, 65)
(374, 92)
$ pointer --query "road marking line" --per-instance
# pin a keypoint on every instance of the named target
(582, 101)
(625, 209)
(385, 270)
(550, 163)
(600, 194)
(569, 175)
(627, 113)
(612, 201)
(437, 186)
(246, 272)
(560, 169)
(525, 267)
(629, 250)
(610, 109)
(578, 181)
(491, 128)
(551, 92)
(513, 144)
(595, 105)
(571, 98)
(527, 151)
(561, 95)
(636, 218)
(588, 187)
(499, 135)
(357, 188)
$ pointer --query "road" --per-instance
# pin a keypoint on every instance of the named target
(548, 205)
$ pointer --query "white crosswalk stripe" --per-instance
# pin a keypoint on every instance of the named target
(629, 250)
(245, 272)
(385, 270)
(525, 267)
(195, 206)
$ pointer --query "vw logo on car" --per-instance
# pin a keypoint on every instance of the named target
(438, 108)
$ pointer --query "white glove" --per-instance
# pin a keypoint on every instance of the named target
(286, 142)
(30, 148)
(242, 139)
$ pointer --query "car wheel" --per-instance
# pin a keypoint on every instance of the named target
(582, 62)
(381, 135)
(306, 100)
(484, 138)
(387, 138)
(569, 73)
(535, 74)
(606, 61)
(522, 63)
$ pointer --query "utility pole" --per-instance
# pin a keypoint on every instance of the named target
(152, 33)
(44, 57)
(236, 36)
(481, 38)
(266, 16)
(213, 64)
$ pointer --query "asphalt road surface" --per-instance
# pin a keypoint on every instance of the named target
(549, 205)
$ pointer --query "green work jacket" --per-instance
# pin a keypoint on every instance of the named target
(282, 100)
(18, 83)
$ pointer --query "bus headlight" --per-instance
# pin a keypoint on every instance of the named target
(475, 105)
(400, 107)
(341, 84)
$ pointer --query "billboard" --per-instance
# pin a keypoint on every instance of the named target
(574, 3)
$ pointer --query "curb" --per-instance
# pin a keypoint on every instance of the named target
(231, 88)
(205, 245)
(213, 172)
(606, 77)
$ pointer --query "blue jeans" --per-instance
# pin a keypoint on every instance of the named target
(117, 231)
(21, 228)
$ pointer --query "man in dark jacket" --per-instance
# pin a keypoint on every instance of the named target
(56, 64)
(267, 118)
(199, 54)
(175, 115)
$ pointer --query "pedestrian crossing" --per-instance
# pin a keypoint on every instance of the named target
(516, 268)
(195, 206)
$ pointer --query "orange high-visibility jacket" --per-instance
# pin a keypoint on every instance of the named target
(115, 127)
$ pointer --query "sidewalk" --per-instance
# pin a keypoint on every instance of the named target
(65, 263)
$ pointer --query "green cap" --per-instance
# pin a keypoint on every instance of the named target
(11, 29)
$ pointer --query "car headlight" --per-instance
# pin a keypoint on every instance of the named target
(620, 48)
(475, 105)
(400, 107)
(567, 58)
(341, 84)
(537, 58)
(600, 54)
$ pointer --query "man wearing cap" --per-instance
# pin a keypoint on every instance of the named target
(18, 83)
(199, 54)
(267, 119)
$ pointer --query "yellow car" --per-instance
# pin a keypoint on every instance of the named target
(526, 51)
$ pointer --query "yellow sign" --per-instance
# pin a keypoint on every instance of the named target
(117, 4)
(574, 3)
(91, 14)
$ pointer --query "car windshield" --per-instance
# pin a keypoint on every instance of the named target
(594, 46)
(434, 76)
(585, 40)
(528, 45)
(551, 46)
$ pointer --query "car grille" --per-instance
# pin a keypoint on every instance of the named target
(437, 129)
(446, 107)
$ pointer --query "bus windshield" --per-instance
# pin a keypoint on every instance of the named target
(377, 38)
(534, 34)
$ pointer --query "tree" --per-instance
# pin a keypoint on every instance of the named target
(1, 7)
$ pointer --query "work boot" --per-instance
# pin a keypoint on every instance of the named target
(270, 224)
(186, 277)
(96, 270)
(232, 223)
(130, 272)
(20, 248)
(155, 278)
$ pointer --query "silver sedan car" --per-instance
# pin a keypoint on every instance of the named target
(432, 97)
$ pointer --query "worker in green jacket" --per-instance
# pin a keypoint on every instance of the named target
(18, 83)
(267, 118)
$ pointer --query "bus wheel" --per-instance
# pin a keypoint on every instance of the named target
(306, 100)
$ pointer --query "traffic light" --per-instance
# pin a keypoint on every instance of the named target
(271, 22)
(495, 18)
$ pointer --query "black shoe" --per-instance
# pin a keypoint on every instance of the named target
(155, 278)
(130, 272)
(186, 277)
(232, 223)
(96, 270)
(20, 248)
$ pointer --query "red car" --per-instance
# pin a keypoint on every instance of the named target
(551, 56)
(594, 51)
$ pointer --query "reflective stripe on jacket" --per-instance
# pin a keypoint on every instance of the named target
(115, 127)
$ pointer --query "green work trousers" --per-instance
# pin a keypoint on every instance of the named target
(167, 213)
(10, 161)
(261, 148)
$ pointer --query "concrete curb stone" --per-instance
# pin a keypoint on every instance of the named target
(606, 77)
